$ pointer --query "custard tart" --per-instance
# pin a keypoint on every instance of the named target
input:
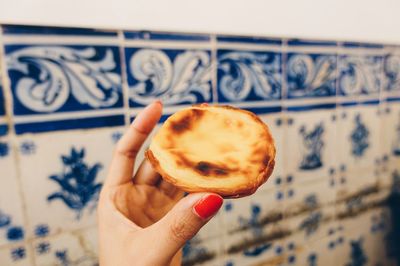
(213, 148)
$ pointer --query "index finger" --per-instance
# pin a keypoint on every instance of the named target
(121, 168)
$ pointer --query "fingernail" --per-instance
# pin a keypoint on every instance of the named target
(208, 206)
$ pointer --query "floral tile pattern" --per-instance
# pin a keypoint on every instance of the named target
(247, 74)
(179, 75)
(309, 147)
(68, 183)
(61, 82)
(12, 224)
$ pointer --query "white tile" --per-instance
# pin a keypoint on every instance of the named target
(359, 136)
(310, 149)
(257, 209)
(365, 235)
(354, 182)
(309, 208)
(213, 228)
(12, 227)
(325, 251)
(202, 253)
(80, 160)
(308, 195)
(16, 254)
(73, 248)
(268, 253)
(390, 141)
(277, 128)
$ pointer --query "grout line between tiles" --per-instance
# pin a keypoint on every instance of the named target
(124, 77)
(11, 133)
(214, 68)
(58, 40)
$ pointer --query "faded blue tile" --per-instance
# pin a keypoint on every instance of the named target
(175, 76)
(249, 76)
(311, 75)
(249, 40)
(391, 70)
(304, 42)
(83, 123)
(3, 126)
(51, 79)
(359, 75)
(2, 101)
(33, 30)
(163, 36)
(3, 129)
(362, 45)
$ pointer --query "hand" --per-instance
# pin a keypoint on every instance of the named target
(144, 220)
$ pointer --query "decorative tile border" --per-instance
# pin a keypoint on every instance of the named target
(56, 76)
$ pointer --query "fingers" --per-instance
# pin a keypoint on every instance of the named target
(167, 188)
(128, 146)
(146, 175)
(183, 222)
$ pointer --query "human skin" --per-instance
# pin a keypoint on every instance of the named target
(142, 219)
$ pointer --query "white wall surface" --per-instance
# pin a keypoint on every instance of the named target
(364, 20)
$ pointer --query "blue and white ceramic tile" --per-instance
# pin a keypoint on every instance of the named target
(178, 75)
(358, 136)
(311, 69)
(355, 182)
(249, 71)
(212, 229)
(325, 251)
(63, 173)
(366, 238)
(276, 125)
(256, 211)
(205, 253)
(390, 121)
(12, 225)
(360, 74)
(58, 84)
(240, 249)
(310, 149)
(16, 254)
(391, 74)
(309, 207)
(72, 248)
(3, 120)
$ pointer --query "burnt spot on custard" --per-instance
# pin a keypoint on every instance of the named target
(207, 169)
(186, 122)
(202, 167)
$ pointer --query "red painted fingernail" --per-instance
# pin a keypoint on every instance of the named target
(208, 206)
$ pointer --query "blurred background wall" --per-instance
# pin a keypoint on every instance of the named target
(325, 77)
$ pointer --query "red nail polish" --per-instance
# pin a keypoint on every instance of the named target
(208, 206)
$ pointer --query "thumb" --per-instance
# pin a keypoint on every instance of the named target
(184, 221)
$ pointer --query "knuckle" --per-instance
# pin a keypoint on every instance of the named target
(123, 151)
(182, 230)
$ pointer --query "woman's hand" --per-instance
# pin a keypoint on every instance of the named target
(142, 219)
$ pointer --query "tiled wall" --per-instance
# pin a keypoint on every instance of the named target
(333, 107)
